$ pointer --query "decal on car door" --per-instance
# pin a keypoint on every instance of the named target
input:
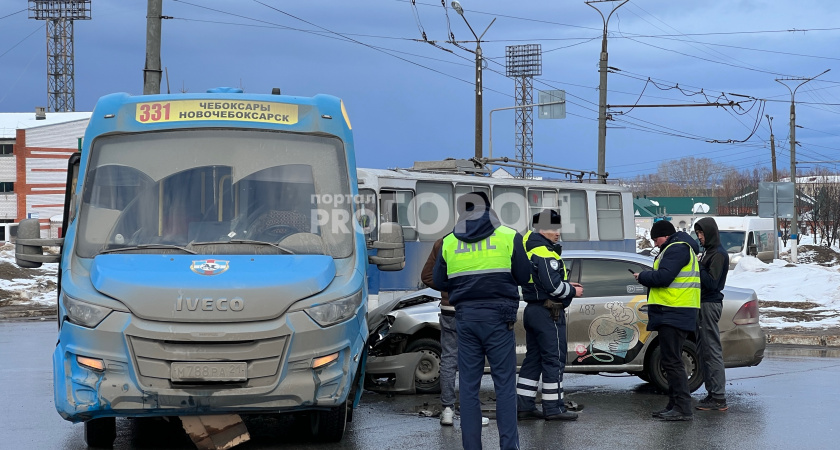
(617, 336)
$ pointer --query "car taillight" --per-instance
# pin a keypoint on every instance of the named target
(747, 314)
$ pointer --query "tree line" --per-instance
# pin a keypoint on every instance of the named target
(736, 191)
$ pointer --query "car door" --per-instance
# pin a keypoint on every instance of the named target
(519, 327)
(608, 325)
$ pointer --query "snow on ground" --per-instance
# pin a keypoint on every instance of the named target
(25, 286)
(791, 296)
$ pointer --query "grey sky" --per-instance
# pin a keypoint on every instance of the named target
(411, 101)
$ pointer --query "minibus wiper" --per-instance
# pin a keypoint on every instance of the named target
(245, 241)
(148, 246)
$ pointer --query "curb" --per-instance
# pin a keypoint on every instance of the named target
(10, 312)
(804, 339)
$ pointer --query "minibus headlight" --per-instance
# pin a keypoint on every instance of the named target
(83, 313)
(336, 311)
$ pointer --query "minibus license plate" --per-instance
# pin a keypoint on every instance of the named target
(209, 371)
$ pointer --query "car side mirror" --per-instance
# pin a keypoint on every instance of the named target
(29, 246)
(390, 254)
(752, 250)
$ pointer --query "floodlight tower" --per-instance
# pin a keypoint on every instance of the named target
(523, 63)
(59, 15)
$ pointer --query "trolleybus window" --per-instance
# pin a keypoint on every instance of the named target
(435, 216)
(397, 206)
(575, 217)
(610, 226)
(463, 189)
(509, 204)
(366, 213)
(539, 200)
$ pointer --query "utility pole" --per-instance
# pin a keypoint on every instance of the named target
(602, 92)
(479, 61)
(794, 228)
(772, 147)
(152, 72)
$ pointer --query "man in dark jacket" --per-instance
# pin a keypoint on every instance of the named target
(481, 265)
(714, 265)
(548, 295)
(448, 340)
(673, 302)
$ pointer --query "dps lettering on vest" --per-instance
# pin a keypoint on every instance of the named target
(684, 291)
(491, 255)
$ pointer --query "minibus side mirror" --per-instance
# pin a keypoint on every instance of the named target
(390, 254)
(752, 250)
(29, 246)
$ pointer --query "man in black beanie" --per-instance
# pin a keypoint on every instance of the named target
(673, 303)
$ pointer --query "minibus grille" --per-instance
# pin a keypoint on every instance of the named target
(154, 359)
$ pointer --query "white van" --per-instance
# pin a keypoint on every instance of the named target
(747, 235)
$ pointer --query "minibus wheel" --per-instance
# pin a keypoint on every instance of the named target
(329, 426)
(100, 433)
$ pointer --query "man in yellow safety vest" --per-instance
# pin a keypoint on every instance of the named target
(673, 303)
(481, 265)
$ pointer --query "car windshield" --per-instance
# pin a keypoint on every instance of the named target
(732, 241)
(216, 192)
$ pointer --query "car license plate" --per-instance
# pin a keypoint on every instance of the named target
(209, 371)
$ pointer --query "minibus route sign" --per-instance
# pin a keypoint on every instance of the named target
(189, 110)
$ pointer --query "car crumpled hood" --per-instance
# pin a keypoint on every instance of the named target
(189, 288)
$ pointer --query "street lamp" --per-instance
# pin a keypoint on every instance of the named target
(478, 88)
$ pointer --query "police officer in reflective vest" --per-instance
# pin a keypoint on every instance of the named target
(547, 295)
(481, 265)
(673, 304)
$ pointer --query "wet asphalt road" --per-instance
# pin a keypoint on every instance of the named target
(789, 400)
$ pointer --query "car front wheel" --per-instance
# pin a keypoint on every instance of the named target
(427, 373)
(691, 360)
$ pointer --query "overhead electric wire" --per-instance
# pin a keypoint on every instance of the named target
(778, 52)
(417, 20)
(818, 131)
(21, 41)
(633, 5)
(12, 14)
(344, 36)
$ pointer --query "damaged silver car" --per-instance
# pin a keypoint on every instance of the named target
(606, 330)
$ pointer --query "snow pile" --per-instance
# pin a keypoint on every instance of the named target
(804, 295)
(643, 241)
(25, 286)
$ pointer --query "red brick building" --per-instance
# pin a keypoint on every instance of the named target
(33, 164)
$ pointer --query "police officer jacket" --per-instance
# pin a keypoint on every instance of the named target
(676, 254)
(549, 278)
(495, 256)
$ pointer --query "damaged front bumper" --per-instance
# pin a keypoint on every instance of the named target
(136, 377)
(392, 374)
